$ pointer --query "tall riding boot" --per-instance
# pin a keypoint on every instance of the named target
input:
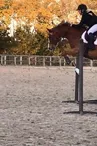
(86, 50)
(91, 40)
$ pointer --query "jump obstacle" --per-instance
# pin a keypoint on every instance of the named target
(79, 77)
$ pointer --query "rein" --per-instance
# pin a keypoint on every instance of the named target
(61, 39)
(56, 34)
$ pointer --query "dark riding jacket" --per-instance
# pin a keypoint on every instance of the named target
(88, 20)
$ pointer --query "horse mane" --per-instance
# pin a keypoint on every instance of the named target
(62, 24)
(67, 24)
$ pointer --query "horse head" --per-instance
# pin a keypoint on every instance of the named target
(57, 35)
(53, 39)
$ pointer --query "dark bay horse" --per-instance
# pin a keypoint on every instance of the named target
(67, 33)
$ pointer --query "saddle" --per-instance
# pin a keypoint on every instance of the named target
(91, 38)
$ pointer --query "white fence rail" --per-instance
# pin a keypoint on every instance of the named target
(39, 60)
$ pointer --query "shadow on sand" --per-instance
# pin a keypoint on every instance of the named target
(84, 112)
(84, 102)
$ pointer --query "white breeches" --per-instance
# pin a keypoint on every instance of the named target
(91, 30)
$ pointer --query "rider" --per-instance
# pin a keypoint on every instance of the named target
(89, 20)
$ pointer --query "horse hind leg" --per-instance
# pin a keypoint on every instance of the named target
(68, 61)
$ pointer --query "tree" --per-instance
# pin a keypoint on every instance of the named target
(6, 42)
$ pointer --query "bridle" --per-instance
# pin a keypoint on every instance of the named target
(56, 45)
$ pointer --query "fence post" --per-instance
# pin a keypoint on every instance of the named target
(44, 61)
(1, 60)
(50, 61)
(91, 63)
(29, 63)
(35, 61)
(80, 79)
(14, 60)
(5, 60)
(60, 61)
(20, 60)
(76, 79)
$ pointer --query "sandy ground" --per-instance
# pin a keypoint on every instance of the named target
(34, 111)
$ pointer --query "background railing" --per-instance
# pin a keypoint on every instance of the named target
(40, 60)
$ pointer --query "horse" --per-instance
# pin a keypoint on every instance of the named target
(65, 32)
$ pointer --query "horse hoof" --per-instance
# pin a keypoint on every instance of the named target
(73, 63)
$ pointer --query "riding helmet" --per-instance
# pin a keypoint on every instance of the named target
(82, 7)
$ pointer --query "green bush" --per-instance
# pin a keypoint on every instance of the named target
(24, 42)
(6, 42)
(30, 43)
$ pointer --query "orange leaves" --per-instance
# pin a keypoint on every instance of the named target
(43, 11)
(40, 11)
(1, 3)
